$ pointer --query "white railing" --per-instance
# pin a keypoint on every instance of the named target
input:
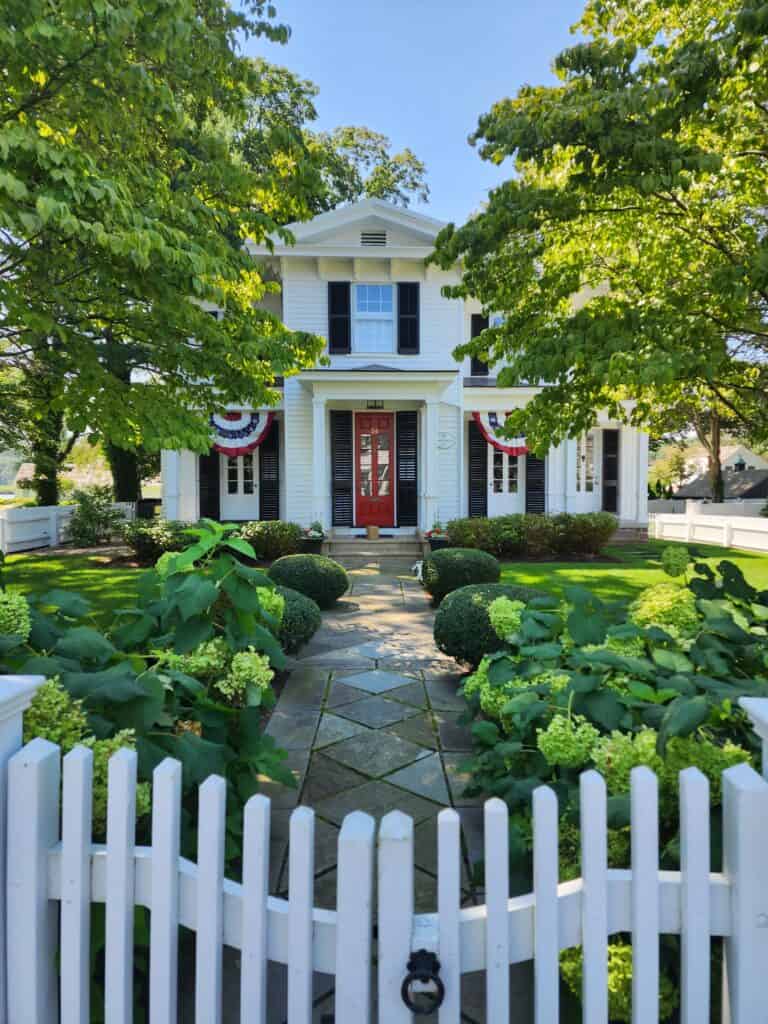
(54, 876)
(42, 526)
(739, 531)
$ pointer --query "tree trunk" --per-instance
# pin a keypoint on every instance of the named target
(46, 455)
(715, 465)
(124, 465)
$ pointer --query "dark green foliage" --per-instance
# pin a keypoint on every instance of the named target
(450, 568)
(315, 576)
(462, 628)
(151, 538)
(535, 536)
(301, 620)
(95, 519)
(272, 539)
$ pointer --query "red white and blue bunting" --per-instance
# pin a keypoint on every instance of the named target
(490, 424)
(240, 432)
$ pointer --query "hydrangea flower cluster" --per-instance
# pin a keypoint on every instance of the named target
(493, 698)
(248, 668)
(667, 605)
(674, 560)
(204, 662)
(102, 751)
(55, 715)
(567, 741)
(271, 602)
(505, 616)
(15, 619)
(619, 981)
(616, 755)
(689, 752)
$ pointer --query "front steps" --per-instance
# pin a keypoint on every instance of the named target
(629, 535)
(402, 548)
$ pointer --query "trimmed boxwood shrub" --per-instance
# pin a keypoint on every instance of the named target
(451, 568)
(272, 538)
(535, 536)
(301, 620)
(151, 538)
(316, 576)
(462, 628)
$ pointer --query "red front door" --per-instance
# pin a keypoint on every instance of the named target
(374, 445)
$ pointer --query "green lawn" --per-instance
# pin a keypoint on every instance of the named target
(105, 587)
(638, 566)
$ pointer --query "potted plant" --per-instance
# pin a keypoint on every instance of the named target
(312, 540)
(437, 536)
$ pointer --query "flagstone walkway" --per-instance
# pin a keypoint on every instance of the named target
(369, 717)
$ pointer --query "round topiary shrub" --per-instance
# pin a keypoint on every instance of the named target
(315, 576)
(301, 620)
(451, 568)
(462, 628)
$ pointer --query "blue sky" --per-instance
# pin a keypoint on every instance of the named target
(421, 71)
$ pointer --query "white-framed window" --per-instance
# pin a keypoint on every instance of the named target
(500, 483)
(373, 318)
(585, 463)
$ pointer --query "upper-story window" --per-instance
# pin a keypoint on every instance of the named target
(373, 318)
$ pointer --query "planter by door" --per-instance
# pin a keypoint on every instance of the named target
(374, 444)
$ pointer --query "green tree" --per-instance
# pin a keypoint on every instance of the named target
(322, 170)
(124, 206)
(628, 254)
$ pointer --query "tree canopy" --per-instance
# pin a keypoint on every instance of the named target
(628, 253)
(124, 206)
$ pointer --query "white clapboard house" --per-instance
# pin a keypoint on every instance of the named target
(394, 432)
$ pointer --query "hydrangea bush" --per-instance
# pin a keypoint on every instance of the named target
(578, 684)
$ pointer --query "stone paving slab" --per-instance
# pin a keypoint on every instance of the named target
(328, 778)
(418, 729)
(333, 728)
(293, 727)
(424, 777)
(340, 693)
(376, 753)
(376, 712)
(376, 680)
(376, 798)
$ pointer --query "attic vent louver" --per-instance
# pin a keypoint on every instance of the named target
(373, 238)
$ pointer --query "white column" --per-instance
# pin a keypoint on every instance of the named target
(571, 469)
(189, 499)
(16, 693)
(642, 476)
(320, 490)
(556, 477)
(431, 495)
(169, 476)
(628, 477)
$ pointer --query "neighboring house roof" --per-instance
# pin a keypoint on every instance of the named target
(751, 483)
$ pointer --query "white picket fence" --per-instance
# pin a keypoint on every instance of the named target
(43, 526)
(54, 875)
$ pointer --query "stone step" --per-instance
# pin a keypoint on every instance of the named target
(361, 547)
(630, 535)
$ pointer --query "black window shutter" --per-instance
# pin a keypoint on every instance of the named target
(407, 454)
(339, 317)
(478, 472)
(610, 471)
(408, 318)
(342, 512)
(534, 484)
(269, 474)
(478, 324)
(208, 483)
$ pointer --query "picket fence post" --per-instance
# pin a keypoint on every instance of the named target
(745, 841)
(16, 693)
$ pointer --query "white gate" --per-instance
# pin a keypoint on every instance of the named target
(55, 875)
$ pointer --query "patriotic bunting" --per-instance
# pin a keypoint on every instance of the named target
(238, 433)
(489, 425)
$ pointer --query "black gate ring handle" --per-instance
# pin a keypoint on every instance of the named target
(423, 967)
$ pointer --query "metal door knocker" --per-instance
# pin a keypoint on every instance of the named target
(423, 967)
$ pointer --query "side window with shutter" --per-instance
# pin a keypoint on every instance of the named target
(339, 318)
(408, 318)
(478, 324)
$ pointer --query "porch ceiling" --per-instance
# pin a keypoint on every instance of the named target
(377, 382)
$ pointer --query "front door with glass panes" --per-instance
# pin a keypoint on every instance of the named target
(374, 492)
(240, 486)
(506, 483)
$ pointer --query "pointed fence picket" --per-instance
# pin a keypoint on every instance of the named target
(55, 873)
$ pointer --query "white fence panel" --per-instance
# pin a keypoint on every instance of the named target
(747, 532)
(55, 868)
(43, 526)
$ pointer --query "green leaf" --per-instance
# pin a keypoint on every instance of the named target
(602, 707)
(618, 811)
(546, 652)
(674, 661)
(72, 605)
(45, 631)
(48, 666)
(85, 644)
(133, 632)
(194, 595)
(241, 546)
(502, 670)
(191, 634)
(486, 733)
(683, 716)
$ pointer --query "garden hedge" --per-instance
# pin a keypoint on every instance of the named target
(535, 536)
(450, 568)
(301, 620)
(462, 628)
(151, 538)
(272, 538)
(315, 576)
